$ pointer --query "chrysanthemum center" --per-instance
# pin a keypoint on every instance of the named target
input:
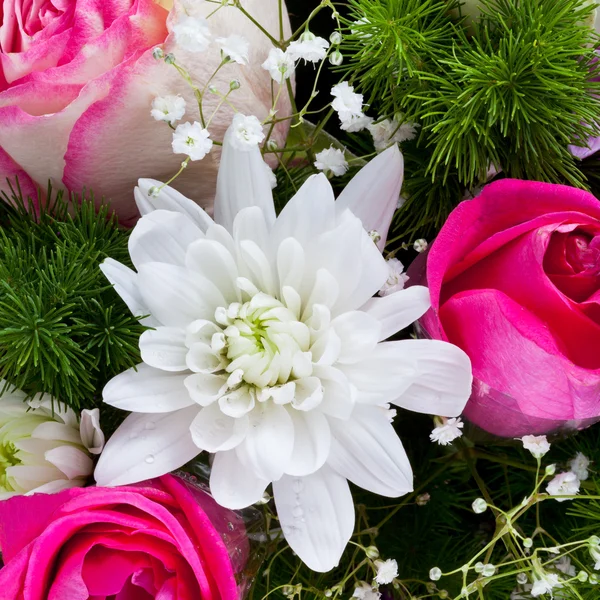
(263, 342)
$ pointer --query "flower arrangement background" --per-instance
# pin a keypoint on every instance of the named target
(465, 530)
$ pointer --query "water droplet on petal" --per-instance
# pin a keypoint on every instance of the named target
(149, 459)
(150, 426)
(298, 486)
(297, 512)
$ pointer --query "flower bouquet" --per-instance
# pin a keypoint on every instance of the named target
(267, 272)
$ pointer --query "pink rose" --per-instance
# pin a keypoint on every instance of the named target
(162, 539)
(514, 277)
(77, 79)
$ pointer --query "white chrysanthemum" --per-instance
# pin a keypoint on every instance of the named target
(387, 571)
(448, 432)
(247, 132)
(280, 64)
(563, 484)
(390, 131)
(309, 47)
(396, 278)
(579, 465)
(268, 348)
(236, 47)
(168, 108)
(538, 445)
(44, 450)
(331, 160)
(192, 33)
(192, 139)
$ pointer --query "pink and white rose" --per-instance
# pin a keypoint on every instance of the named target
(77, 79)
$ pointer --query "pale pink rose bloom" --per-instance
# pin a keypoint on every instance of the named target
(77, 80)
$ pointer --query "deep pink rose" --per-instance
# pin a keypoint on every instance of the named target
(163, 539)
(514, 277)
(77, 79)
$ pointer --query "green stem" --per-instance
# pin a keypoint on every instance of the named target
(275, 42)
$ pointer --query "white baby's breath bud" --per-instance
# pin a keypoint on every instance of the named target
(527, 542)
(594, 579)
(423, 499)
(170, 58)
(550, 470)
(272, 145)
(443, 594)
(479, 506)
(488, 570)
(479, 566)
(372, 552)
(521, 578)
(582, 576)
(420, 245)
(235, 84)
(328, 593)
(158, 53)
(153, 191)
(213, 89)
(335, 38)
(336, 58)
(435, 574)
(375, 236)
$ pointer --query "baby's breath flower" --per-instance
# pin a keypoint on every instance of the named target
(280, 64)
(191, 139)
(448, 432)
(387, 571)
(309, 48)
(564, 484)
(365, 591)
(331, 160)
(192, 33)
(235, 47)
(396, 279)
(536, 444)
(168, 108)
(247, 132)
(579, 465)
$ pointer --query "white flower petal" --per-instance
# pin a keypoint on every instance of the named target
(28, 477)
(53, 487)
(242, 181)
(366, 450)
(317, 516)
(146, 446)
(73, 462)
(51, 430)
(399, 310)
(325, 291)
(269, 442)
(124, 280)
(162, 236)
(177, 296)
(312, 440)
(92, 436)
(233, 484)
(169, 199)
(259, 269)
(147, 390)
(164, 348)
(250, 224)
(442, 383)
(338, 394)
(205, 388)
(372, 194)
(358, 333)
(290, 264)
(308, 394)
(215, 432)
(214, 261)
(202, 359)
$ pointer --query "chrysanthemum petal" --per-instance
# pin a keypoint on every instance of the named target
(164, 348)
(146, 446)
(366, 450)
(72, 461)
(338, 394)
(312, 440)
(442, 383)
(372, 194)
(215, 432)
(147, 390)
(317, 516)
(233, 484)
(399, 310)
(358, 333)
(169, 199)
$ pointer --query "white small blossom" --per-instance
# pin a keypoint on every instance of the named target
(191, 139)
(579, 465)
(390, 131)
(448, 432)
(168, 108)
(387, 571)
(247, 132)
(563, 564)
(354, 123)
(544, 583)
(346, 102)
(192, 33)
(564, 484)
(396, 278)
(364, 591)
(536, 444)
(420, 245)
(435, 574)
(309, 48)
(235, 47)
(280, 64)
(331, 160)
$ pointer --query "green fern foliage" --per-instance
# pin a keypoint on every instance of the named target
(63, 329)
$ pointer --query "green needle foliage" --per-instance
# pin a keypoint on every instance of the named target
(63, 329)
(511, 92)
